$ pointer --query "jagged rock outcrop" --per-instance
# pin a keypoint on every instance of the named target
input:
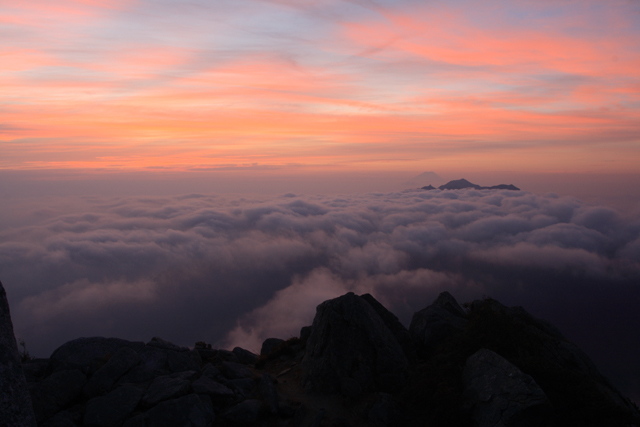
(269, 345)
(498, 394)
(109, 382)
(15, 402)
(437, 322)
(397, 329)
(89, 354)
(578, 391)
(351, 350)
(356, 365)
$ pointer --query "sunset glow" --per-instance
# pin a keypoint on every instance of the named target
(538, 86)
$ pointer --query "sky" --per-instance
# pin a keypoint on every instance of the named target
(536, 86)
(213, 170)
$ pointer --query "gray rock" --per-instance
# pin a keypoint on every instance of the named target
(186, 411)
(56, 392)
(498, 394)
(168, 387)
(320, 416)
(300, 415)
(244, 413)
(350, 388)
(184, 361)
(269, 344)
(213, 373)
(435, 323)
(61, 419)
(36, 369)
(268, 393)
(89, 354)
(243, 387)
(245, 356)
(234, 371)
(220, 355)
(385, 411)
(165, 345)
(305, 332)
(137, 421)
(153, 363)
(205, 385)
(551, 351)
(286, 410)
(103, 379)
(113, 408)
(340, 422)
(350, 340)
(15, 401)
(397, 329)
(207, 354)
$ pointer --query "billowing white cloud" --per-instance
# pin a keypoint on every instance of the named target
(234, 271)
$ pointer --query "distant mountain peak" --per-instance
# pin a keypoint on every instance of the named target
(460, 184)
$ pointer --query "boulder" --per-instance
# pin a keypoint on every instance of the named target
(213, 373)
(437, 322)
(243, 387)
(350, 343)
(385, 412)
(89, 354)
(61, 419)
(305, 333)
(397, 329)
(165, 345)
(168, 387)
(153, 363)
(186, 411)
(269, 344)
(579, 393)
(205, 385)
(268, 393)
(36, 369)
(227, 356)
(497, 393)
(113, 408)
(103, 379)
(180, 361)
(245, 356)
(15, 401)
(233, 371)
(244, 413)
(56, 392)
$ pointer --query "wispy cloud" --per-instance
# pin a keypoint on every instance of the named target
(181, 85)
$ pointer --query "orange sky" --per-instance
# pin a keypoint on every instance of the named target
(519, 85)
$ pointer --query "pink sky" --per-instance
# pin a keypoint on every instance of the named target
(465, 85)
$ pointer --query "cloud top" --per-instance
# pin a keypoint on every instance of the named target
(234, 271)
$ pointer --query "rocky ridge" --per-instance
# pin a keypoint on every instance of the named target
(356, 365)
(460, 184)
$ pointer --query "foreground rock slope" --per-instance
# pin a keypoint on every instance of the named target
(356, 365)
(15, 403)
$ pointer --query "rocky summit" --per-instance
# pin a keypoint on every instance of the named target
(481, 364)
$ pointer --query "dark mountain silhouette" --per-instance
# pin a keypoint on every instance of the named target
(460, 184)
(356, 365)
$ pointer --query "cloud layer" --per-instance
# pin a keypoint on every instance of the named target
(234, 271)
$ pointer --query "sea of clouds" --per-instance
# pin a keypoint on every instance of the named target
(236, 270)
